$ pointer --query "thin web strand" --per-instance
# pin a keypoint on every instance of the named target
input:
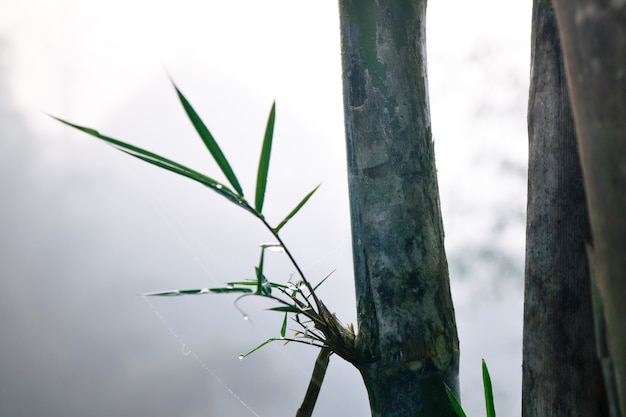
(187, 351)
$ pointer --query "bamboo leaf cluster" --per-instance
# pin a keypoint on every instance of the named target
(296, 299)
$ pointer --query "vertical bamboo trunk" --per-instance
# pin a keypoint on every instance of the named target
(407, 342)
(561, 372)
(593, 37)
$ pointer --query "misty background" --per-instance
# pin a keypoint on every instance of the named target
(84, 228)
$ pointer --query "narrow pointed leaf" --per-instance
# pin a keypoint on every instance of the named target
(172, 293)
(196, 292)
(491, 410)
(270, 340)
(231, 290)
(209, 141)
(454, 403)
(295, 210)
(260, 278)
(322, 281)
(283, 328)
(165, 163)
(286, 309)
(264, 161)
(255, 283)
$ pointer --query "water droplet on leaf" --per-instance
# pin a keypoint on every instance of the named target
(272, 246)
(241, 357)
(184, 349)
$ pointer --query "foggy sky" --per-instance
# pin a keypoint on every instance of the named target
(84, 228)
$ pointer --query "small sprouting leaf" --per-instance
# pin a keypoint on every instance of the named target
(209, 141)
(270, 340)
(283, 328)
(165, 163)
(295, 210)
(489, 404)
(264, 161)
(455, 404)
(263, 286)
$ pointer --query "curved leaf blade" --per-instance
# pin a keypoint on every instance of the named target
(209, 141)
(264, 161)
(296, 209)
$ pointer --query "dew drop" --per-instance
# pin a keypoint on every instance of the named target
(241, 357)
(219, 186)
(272, 246)
(184, 349)
(245, 317)
(230, 286)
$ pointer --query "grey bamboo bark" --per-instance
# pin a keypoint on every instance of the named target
(593, 37)
(407, 344)
(561, 371)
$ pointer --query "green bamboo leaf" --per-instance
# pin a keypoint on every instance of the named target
(283, 328)
(295, 210)
(264, 161)
(197, 291)
(191, 292)
(209, 141)
(286, 309)
(322, 281)
(255, 283)
(455, 404)
(489, 404)
(165, 163)
(270, 340)
(231, 290)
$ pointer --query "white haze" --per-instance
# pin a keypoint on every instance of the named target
(84, 228)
